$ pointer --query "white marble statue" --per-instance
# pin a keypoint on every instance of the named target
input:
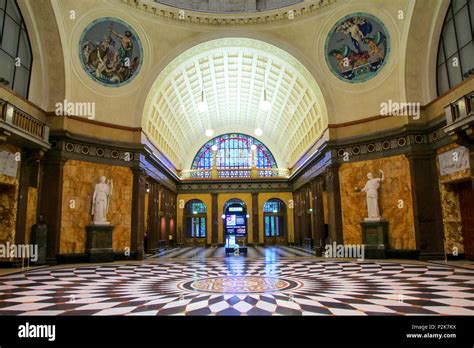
(371, 189)
(101, 200)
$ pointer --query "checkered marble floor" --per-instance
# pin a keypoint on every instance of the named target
(241, 286)
(203, 253)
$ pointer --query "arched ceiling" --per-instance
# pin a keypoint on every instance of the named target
(232, 73)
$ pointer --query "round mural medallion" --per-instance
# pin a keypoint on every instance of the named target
(357, 47)
(110, 52)
(240, 284)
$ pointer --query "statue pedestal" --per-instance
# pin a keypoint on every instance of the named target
(39, 236)
(99, 243)
(375, 239)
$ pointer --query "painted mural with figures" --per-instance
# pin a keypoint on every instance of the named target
(357, 47)
(110, 52)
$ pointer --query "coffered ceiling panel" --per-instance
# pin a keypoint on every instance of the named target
(230, 75)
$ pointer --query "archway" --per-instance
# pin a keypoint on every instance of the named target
(235, 220)
(274, 222)
(218, 87)
(194, 223)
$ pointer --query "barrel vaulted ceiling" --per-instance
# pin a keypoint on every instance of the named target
(231, 75)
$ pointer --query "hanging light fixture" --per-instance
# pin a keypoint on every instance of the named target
(258, 132)
(202, 105)
(265, 105)
(209, 132)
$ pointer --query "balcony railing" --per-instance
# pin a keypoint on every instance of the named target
(3, 109)
(240, 173)
(19, 119)
(460, 110)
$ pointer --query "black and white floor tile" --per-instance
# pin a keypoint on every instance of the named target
(269, 252)
(241, 286)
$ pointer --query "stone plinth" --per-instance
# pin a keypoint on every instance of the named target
(99, 243)
(39, 235)
(375, 239)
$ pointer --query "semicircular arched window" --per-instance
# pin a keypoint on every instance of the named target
(456, 46)
(15, 49)
(234, 156)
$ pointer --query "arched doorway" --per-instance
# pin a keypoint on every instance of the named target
(195, 220)
(274, 222)
(235, 221)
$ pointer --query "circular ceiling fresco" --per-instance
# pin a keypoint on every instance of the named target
(110, 52)
(357, 47)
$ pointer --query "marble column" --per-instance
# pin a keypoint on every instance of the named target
(471, 163)
(426, 205)
(215, 220)
(153, 218)
(307, 232)
(28, 169)
(51, 202)
(167, 216)
(161, 229)
(138, 212)
(297, 217)
(317, 187)
(255, 222)
(334, 204)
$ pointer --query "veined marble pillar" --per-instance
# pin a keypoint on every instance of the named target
(51, 202)
(317, 186)
(138, 212)
(334, 204)
(28, 168)
(215, 220)
(255, 222)
(426, 205)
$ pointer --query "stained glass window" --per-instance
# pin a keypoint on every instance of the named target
(273, 206)
(195, 207)
(234, 156)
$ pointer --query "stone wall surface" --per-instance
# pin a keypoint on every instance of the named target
(31, 211)
(79, 182)
(8, 201)
(395, 199)
(450, 208)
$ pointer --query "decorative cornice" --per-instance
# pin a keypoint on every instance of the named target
(395, 142)
(71, 147)
(220, 19)
(243, 186)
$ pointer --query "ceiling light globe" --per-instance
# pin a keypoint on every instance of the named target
(202, 106)
(253, 147)
(258, 132)
(209, 132)
(265, 105)
(214, 147)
